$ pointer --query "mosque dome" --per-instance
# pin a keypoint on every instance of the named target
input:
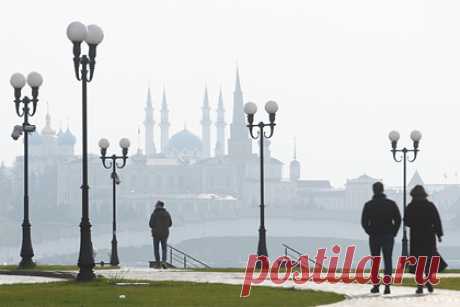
(185, 143)
(66, 138)
(35, 138)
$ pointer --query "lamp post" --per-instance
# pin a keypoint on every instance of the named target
(92, 35)
(110, 162)
(416, 136)
(34, 80)
(250, 109)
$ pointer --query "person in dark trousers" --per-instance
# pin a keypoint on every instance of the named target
(425, 225)
(160, 221)
(381, 221)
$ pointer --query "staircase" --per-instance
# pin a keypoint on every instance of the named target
(179, 259)
(294, 254)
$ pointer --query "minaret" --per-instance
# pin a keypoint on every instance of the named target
(164, 124)
(139, 145)
(239, 143)
(149, 123)
(220, 127)
(205, 126)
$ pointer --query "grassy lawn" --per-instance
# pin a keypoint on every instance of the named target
(50, 267)
(103, 292)
(446, 283)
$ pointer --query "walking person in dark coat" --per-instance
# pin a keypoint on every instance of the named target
(160, 221)
(425, 225)
(381, 221)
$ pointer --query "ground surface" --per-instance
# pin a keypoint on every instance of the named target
(218, 294)
(114, 292)
(357, 295)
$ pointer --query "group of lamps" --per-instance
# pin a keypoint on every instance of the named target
(84, 66)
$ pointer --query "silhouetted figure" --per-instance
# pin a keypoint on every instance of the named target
(425, 225)
(381, 221)
(160, 221)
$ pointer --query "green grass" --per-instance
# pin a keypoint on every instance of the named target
(449, 283)
(39, 267)
(50, 267)
(103, 292)
(446, 283)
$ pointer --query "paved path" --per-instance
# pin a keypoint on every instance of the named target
(357, 295)
(20, 279)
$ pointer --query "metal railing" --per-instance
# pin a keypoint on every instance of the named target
(294, 254)
(178, 258)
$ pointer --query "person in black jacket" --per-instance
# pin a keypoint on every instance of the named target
(381, 221)
(160, 221)
(425, 225)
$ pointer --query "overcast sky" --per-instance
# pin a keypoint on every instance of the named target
(344, 73)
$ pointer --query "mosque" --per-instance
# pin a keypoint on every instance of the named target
(187, 171)
(196, 177)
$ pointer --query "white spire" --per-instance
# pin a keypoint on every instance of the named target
(149, 124)
(239, 143)
(206, 126)
(220, 126)
(48, 130)
(164, 123)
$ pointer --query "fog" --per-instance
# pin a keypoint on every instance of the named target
(344, 74)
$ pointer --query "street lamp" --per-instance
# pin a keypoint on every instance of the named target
(416, 136)
(110, 162)
(18, 81)
(92, 35)
(250, 109)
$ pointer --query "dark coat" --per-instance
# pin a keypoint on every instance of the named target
(381, 216)
(160, 221)
(425, 224)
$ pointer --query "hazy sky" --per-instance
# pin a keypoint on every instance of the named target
(344, 73)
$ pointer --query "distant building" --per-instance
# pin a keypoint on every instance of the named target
(358, 191)
(188, 170)
(197, 176)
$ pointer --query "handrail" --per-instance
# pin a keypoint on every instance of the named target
(287, 247)
(292, 249)
(185, 256)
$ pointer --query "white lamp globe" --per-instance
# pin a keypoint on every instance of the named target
(250, 108)
(94, 35)
(104, 143)
(271, 107)
(17, 80)
(416, 136)
(76, 32)
(394, 136)
(125, 143)
(34, 79)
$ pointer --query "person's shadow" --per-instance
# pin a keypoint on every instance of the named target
(390, 296)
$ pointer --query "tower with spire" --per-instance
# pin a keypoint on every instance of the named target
(48, 136)
(149, 125)
(294, 166)
(239, 144)
(206, 126)
(220, 127)
(164, 124)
